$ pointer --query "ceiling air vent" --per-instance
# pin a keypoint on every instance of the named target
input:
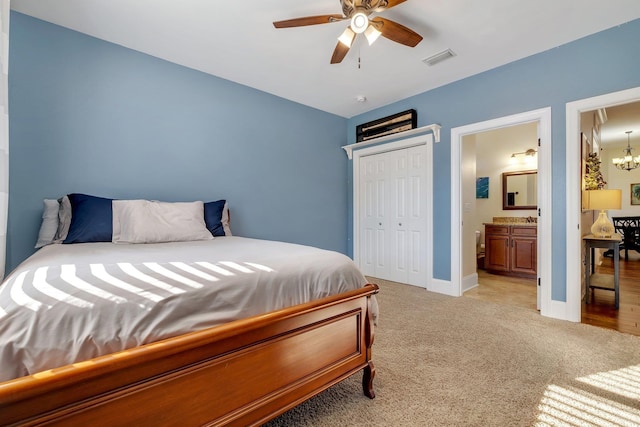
(439, 57)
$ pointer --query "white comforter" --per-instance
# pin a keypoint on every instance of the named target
(69, 303)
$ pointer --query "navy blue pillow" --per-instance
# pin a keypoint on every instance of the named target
(91, 219)
(213, 217)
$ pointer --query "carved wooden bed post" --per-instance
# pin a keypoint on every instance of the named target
(369, 371)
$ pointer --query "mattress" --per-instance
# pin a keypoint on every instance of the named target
(69, 303)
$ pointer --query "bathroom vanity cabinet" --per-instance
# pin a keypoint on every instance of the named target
(511, 249)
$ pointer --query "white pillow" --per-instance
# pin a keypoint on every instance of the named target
(49, 226)
(64, 219)
(144, 221)
(226, 220)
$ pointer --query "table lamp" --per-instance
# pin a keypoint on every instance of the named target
(602, 200)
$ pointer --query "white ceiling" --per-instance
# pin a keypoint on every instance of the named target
(236, 40)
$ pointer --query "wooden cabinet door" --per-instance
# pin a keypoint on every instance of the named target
(496, 249)
(524, 251)
(523, 255)
(511, 250)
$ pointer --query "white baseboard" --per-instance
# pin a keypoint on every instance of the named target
(443, 287)
(559, 310)
(469, 282)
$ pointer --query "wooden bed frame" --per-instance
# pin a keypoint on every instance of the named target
(241, 373)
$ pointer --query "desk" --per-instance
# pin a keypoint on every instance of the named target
(602, 281)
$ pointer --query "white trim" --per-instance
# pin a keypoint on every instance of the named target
(558, 310)
(573, 310)
(543, 117)
(469, 282)
(400, 135)
(426, 140)
(441, 287)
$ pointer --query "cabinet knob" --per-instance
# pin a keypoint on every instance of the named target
(379, 223)
(400, 224)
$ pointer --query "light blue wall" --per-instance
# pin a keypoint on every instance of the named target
(90, 116)
(605, 62)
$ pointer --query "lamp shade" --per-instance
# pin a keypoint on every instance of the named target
(604, 199)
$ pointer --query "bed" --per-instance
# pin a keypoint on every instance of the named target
(179, 332)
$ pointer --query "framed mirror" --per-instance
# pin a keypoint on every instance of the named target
(519, 190)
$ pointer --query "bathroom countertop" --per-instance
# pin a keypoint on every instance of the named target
(513, 220)
(515, 224)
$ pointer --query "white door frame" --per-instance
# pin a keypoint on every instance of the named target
(543, 117)
(573, 207)
(427, 140)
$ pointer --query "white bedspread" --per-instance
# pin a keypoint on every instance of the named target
(69, 303)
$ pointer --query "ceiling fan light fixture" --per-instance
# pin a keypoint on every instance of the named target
(359, 22)
(346, 38)
(358, 12)
(372, 34)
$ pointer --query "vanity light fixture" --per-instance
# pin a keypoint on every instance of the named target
(530, 152)
(628, 162)
(528, 157)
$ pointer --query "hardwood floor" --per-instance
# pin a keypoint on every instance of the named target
(504, 290)
(602, 313)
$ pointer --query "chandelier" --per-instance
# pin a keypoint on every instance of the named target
(628, 162)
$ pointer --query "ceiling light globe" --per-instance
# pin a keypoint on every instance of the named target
(359, 22)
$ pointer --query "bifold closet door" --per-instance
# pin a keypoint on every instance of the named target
(393, 215)
(373, 215)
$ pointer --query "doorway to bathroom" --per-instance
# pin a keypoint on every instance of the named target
(505, 213)
(512, 264)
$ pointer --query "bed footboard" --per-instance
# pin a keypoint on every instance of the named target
(241, 373)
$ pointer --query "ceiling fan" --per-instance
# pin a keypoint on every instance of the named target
(359, 12)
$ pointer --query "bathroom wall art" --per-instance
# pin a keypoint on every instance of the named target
(482, 187)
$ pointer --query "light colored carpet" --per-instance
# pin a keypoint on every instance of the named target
(444, 361)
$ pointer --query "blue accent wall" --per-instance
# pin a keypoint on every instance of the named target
(93, 117)
(90, 116)
(605, 62)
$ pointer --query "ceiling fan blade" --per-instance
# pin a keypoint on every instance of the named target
(339, 53)
(396, 32)
(390, 4)
(309, 20)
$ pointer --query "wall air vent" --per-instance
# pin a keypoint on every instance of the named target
(439, 57)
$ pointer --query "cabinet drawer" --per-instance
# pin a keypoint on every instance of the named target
(524, 231)
(496, 229)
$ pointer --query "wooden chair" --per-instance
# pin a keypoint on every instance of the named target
(629, 228)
